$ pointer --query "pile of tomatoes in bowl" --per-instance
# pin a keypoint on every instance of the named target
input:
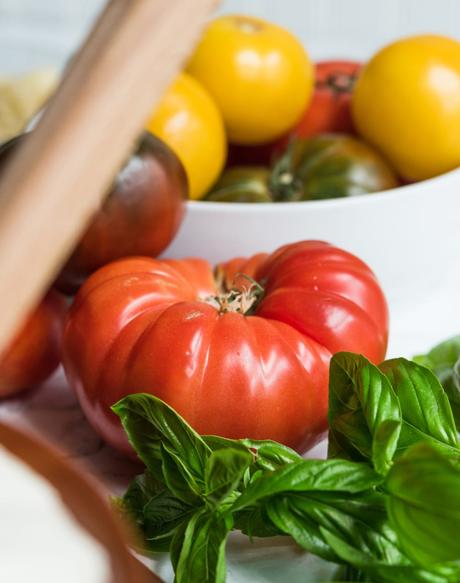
(254, 120)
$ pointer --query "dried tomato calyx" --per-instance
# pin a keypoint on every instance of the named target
(242, 301)
(338, 82)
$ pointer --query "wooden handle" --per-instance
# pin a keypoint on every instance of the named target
(56, 181)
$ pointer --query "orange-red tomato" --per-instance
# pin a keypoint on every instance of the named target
(230, 367)
(35, 352)
(330, 108)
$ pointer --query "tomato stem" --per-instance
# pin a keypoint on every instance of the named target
(338, 82)
(241, 301)
(285, 186)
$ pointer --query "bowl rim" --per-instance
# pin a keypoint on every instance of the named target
(210, 206)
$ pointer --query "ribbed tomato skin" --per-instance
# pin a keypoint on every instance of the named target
(141, 325)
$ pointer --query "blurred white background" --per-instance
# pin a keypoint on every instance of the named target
(43, 32)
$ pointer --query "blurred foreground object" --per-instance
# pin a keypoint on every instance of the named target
(42, 211)
(55, 525)
(21, 97)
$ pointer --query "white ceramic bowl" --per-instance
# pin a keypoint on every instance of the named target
(410, 236)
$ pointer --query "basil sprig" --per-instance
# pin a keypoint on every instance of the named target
(376, 413)
(444, 361)
(385, 505)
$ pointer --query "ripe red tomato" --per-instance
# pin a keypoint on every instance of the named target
(330, 109)
(35, 352)
(233, 363)
(140, 215)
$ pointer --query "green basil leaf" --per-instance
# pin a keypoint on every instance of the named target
(443, 356)
(310, 475)
(425, 408)
(139, 493)
(444, 361)
(179, 480)
(361, 396)
(149, 422)
(254, 522)
(378, 572)
(155, 511)
(349, 574)
(199, 549)
(178, 540)
(268, 455)
(215, 443)
(451, 384)
(301, 528)
(424, 505)
(364, 413)
(450, 381)
(223, 473)
(162, 515)
(359, 519)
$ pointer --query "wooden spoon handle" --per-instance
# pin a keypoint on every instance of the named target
(84, 499)
(58, 177)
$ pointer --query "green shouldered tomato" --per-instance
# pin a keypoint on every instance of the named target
(329, 166)
(242, 184)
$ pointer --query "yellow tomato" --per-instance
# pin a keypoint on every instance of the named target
(258, 73)
(407, 103)
(189, 121)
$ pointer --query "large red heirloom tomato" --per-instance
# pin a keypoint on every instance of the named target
(236, 355)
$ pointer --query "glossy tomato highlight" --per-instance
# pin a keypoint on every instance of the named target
(236, 355)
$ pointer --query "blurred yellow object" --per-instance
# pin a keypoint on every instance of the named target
(407, 103)
(190, 123)
(259, 74)
(21, 97)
